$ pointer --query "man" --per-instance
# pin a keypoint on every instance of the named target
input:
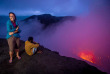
(13, 36)
(31, 47)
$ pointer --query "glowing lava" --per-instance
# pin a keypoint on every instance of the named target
(87, 56)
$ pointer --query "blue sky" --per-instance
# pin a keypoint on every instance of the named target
(54, 7)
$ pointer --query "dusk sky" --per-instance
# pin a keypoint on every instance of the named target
(54, 7)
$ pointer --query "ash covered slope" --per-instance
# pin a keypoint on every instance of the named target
(49, 62)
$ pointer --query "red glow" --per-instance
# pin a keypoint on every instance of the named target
(87, 56)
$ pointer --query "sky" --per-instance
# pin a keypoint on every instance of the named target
(54, 7)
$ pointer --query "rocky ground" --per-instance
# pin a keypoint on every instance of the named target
(49, 62)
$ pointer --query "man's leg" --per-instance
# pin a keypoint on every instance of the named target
(11, 56)
(11, 48)
(17, 54)
(34, 50)
(17, 48)
(39, 50)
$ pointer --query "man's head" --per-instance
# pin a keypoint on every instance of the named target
(30, 39)
(12, 16)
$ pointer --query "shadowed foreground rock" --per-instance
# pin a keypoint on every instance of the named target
(49, 62)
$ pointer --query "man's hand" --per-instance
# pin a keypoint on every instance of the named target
(11, 33)
(15, 31)
(34, 42)
(17, 28)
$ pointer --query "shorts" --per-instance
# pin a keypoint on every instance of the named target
(34, 50)
(14, 43)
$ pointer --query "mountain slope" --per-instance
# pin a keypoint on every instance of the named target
(49, 62)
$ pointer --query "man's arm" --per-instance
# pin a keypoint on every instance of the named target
(9, 28)
(35, 42)
(17, 30)
(34, 45)
(11, 33)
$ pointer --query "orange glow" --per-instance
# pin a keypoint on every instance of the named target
(87, 56)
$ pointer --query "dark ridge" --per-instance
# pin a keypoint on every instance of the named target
(48, 19)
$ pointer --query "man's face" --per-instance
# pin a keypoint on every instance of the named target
(12, 17)
(31, 40)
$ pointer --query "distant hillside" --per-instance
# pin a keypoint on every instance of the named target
(48, 19)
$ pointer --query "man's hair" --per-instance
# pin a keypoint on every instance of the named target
(30, 38)
(13, 14)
